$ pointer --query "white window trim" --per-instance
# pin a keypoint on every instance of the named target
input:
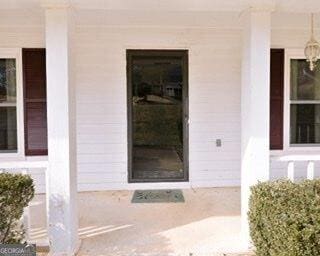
(292, 54)
(16, 53)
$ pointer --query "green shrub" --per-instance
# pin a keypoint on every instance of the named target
(16, 191)
(157, 125)
(284, 218)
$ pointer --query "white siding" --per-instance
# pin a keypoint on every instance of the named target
(214, 75)
(214, 96)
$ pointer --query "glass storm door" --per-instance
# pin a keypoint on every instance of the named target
(157, 115)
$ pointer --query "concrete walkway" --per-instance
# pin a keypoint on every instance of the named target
(206, 224)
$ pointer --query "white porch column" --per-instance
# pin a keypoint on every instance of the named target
(62, 172)
(254, 106)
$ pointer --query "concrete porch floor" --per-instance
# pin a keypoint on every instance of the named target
(109, 224)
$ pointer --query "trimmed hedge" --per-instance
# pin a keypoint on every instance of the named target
(16, 191)
(284, 218)
(157, 125)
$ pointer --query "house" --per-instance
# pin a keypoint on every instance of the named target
(173, 89)
(248, 110)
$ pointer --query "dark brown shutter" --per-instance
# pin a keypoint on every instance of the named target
(276, 98)
(35, 102)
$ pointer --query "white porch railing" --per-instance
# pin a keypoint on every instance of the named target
(23, 167)
(291, 160)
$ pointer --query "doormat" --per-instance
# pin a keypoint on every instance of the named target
(158, 196)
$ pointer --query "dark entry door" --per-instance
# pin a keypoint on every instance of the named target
(157, 115)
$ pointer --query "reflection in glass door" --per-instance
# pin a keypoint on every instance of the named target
(157, 91)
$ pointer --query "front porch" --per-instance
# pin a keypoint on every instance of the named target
(109, 224)
(69, 96)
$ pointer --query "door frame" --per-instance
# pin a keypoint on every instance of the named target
(183, 54)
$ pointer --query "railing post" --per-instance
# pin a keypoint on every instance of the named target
(291, 171)
(26, 214)
(310, 170)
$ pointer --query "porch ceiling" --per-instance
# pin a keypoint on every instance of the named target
(34, 17)
(296, 6)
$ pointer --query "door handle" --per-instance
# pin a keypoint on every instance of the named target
(186, 119)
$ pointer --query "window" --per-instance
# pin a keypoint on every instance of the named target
(23, 121)
(304, 104)
(8, 106)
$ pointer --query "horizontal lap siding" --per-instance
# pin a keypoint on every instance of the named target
(215, 109)
(214, 89)
(101, 111)
(26, 37)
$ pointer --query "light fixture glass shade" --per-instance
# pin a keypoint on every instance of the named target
(312, 52)
(312, 49)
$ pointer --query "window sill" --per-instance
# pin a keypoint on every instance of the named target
(36, 158)
(301, 151)
(12, 156)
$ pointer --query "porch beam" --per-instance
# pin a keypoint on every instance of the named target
(255, 98)
(61, 180)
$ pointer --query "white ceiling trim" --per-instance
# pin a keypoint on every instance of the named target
(291, 6)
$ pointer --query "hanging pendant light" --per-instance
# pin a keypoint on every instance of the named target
(312, 50)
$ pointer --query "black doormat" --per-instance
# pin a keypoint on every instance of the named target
(158, 196)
